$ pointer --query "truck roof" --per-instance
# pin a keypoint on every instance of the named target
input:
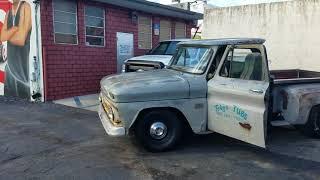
(224, 41)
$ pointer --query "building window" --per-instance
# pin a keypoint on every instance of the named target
(65, 21)
(95, 26)
(180, 30)
(165, 30)
(145, 32)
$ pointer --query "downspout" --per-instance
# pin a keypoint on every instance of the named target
(36, 94)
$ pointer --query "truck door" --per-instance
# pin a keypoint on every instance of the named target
(237, 95)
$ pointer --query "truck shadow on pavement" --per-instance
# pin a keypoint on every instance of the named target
(288, 155)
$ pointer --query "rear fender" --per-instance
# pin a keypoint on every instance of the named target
(307, 102)
(301, 99)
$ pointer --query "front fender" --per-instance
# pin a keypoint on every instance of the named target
(194, 110)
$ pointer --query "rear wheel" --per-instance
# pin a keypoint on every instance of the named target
(159, 130)
(312, 127)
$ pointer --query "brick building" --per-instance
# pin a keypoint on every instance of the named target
(79, 39)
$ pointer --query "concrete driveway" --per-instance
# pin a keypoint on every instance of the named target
(49, 141)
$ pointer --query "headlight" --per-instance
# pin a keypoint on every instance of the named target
(110, 113)
(107, 108)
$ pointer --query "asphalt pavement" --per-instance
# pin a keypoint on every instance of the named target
(50, 141)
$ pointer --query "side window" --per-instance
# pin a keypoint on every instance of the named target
(65, 22)
(95, 22)
(161, 49)
(243, 64)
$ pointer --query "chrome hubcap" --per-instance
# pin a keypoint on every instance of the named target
(158, 130)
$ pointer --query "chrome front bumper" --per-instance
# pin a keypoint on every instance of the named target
(111, 129)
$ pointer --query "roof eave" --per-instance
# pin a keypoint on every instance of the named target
(155, 8)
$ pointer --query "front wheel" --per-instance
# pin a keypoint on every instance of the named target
(159, 130)
(312, 127)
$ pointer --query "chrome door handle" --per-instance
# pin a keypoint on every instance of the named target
(258, 91)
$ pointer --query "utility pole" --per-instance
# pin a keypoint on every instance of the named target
(190, 3)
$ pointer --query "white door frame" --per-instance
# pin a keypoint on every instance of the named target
(125, 48)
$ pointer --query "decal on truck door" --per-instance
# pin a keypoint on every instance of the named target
(19, 61)
(231, 112)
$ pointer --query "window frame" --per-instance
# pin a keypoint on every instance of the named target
(265, 70)
(151, 34)
(104, 27)
(54, 21)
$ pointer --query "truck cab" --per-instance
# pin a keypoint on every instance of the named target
(221, 85)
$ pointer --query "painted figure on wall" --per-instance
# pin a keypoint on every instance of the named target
(4, 8)
(16, 31)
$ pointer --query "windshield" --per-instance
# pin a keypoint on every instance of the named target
(165, 48)
(192, 59)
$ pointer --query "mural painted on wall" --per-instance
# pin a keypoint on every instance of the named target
(16, 48)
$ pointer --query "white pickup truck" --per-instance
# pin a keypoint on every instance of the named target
(221, 85)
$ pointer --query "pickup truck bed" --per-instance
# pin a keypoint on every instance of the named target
(294, 93)
(295, 76)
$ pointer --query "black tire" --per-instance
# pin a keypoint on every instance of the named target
(169, 141)
(312, 127)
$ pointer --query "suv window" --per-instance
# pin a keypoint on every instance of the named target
(165, 48)
(243, 64)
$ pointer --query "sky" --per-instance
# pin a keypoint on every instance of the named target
(224, 3)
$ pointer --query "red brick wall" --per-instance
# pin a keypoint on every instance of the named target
(73, 70)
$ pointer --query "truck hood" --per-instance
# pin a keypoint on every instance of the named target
(165, 59)
(145, 86)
